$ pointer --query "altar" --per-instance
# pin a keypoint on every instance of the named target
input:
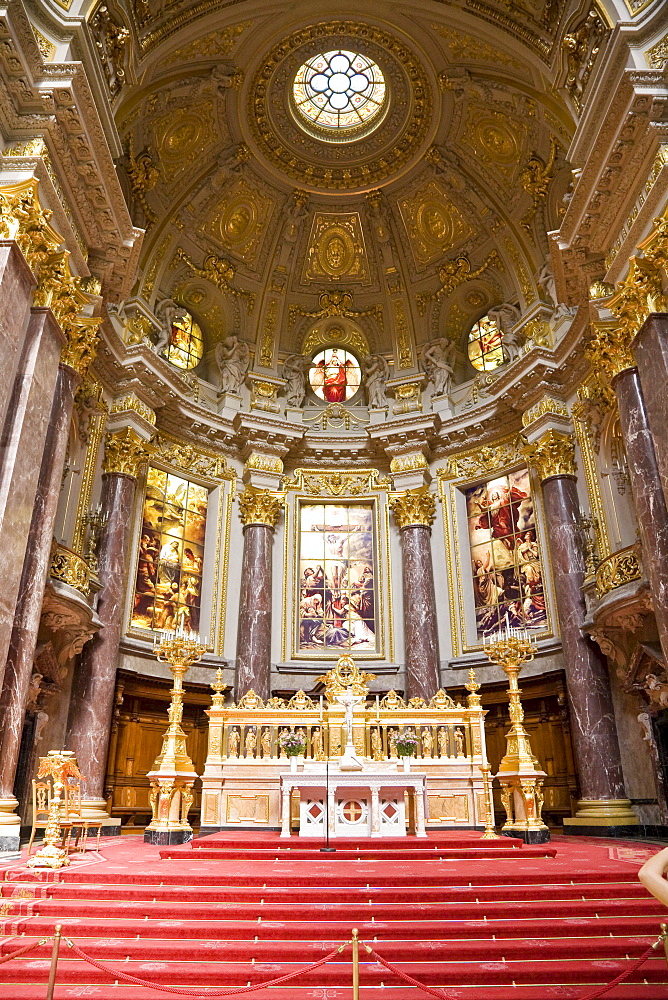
(373, 803)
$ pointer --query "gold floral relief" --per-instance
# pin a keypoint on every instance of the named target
(495, 139)
(434, 225)
(239, 221)
(182, 136)
(336, 248)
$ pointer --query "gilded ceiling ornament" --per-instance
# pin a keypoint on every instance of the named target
(111, 37)
(259, 506)
(362, 162)
(184, 135)
(526, 284)
(239, 221)
(323, 335)
(582, 47)
(124, 453)
(414, 507)
(452, 274)
(495, 139)
(535, 179)
(553, 454)
(336, 248)
(404, 343)
(467, 47)
(219, 272)
(337, 482)
(217, 43)
(433, 223)
(336, 304)
(144, 176)
(269, 334)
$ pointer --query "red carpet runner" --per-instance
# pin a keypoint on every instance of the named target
(480, 920)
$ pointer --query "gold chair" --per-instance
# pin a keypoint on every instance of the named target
(75, 817)
(42, 792)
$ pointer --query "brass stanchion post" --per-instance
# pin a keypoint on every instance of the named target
(356, 965)
(664, 938)
(54, 962)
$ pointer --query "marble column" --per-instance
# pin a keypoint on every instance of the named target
(603, 807)
(259, 510)
(648, 497)
(414, 512)
(34, 577)
(16, 284)
(92, 702)
(21, 447)
(650, 348)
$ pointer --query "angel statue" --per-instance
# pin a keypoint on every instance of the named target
(232, 357)
(376, 372)
(438, 362)
(335, 379)
(295, 368)
(168, 312)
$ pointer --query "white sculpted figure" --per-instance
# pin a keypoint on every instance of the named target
(295, 368)
(506, 316)
(232, 357)
(168, 312)
(376, 371)
(438, 361)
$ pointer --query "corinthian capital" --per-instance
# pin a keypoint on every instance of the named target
(553, 454)
(124, 452)
(413, 507)
(259, 507)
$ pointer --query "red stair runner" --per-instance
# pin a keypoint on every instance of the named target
(477, 919)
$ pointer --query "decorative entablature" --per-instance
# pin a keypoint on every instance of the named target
(336, 482)
(184, 458)
(484, 460)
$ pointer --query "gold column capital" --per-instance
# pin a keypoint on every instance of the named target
(553, 454)
(82, 343)
(414, 507)
(609, 349)
(258, 506)
(124, 452)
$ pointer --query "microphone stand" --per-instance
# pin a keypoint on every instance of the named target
(327, 849)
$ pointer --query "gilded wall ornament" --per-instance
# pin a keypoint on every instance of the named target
(124, 453)
(336, 482)
(131, 401)
(184, 457)
(217, 43)
(433, 223)
(336, 304)
(269, 334)
(336, 248)
(239, 220)
(455, 273)
(467, 48)
(495, 139)
(70, 568)
(219, 272)
(182, 136)
(546, 404)
(479, 462)
(618, 569)
(324, 336)
(402, 335)
(362, 162)
(535, 178)
(414, 507)
(259, 507)
(552, 455)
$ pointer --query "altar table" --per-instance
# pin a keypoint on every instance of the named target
(361, 803)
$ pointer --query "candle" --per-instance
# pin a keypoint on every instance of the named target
(377, 709)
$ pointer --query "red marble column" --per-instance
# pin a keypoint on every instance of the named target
(651, 353)
(21, 447)
(593, 720)
(16, 284)
(648, 496)
(420, 631)
(253, 667)
(92, 701)
(34, 577)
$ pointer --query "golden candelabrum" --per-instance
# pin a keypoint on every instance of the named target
(59, 765)
(474, 701)
(173, 774)
(520, 774)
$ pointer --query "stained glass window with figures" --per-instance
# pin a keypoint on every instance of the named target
(485, 349)
(337, 569)
(168, 583)
(186, 345)
(506, 564)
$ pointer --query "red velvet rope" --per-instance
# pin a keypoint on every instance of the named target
(229, 991)
(589, 996)
(21, 951)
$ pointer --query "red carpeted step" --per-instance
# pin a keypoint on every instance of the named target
(298, 854)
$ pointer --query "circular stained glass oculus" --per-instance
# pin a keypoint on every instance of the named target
(335, 375)
(339, 92)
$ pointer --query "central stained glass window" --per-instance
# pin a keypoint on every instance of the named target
(339, 90)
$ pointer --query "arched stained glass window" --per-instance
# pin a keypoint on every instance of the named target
(186, 345)
(484, 345)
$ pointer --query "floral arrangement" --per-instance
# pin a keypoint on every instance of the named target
(407, 744)
(292, 743)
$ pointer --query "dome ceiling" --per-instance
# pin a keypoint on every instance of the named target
(468, 160)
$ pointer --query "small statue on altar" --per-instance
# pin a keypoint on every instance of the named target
(443, 743)
(250, 743)
(427, 742)
(265, 743)
(459, 743)
(394, 736)
(317, 751)
(376, 745)
(283, 730)
(233, 743)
